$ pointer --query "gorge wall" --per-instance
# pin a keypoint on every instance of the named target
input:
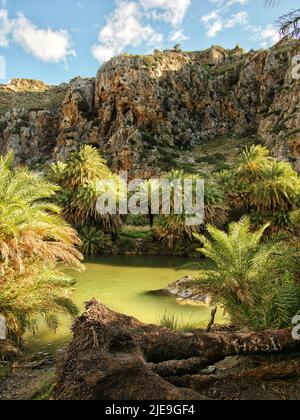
(145, 112)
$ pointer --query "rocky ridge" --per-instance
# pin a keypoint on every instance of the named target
(146, 112)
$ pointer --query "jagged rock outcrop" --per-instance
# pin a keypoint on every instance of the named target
(78, 122)
(144, 112)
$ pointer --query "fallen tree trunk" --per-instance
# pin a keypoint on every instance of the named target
(116, 357)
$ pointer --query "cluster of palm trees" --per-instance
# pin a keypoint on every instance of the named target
(254, 273)
(172, 229)
(259, 185)
(263, 187)
(78, 179)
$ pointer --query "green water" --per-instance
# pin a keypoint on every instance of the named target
(122, 284)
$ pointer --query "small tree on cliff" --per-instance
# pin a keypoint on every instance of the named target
(177, 48)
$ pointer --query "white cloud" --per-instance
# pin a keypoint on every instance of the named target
(240, 18)
(171, 11)
(214, 29)
(178, 36)
(45, 44)
(5, 28)
(130, 25)
(226, 4)
(211, 17)
(124, 28)
(266, 36)
(220, 18)
(214, 22)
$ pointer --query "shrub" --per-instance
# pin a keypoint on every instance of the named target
(254, 281)
(94, 241)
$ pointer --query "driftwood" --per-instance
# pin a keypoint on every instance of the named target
(116, 357)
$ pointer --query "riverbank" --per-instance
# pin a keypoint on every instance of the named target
(125, 283)
(235, 378)
(18, 383)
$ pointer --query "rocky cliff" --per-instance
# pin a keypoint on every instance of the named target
(169, 109)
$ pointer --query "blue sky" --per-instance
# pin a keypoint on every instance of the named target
(60, 39)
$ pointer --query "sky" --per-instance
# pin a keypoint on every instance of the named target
(57, 40)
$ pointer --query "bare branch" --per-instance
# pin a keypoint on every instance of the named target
(290, 24)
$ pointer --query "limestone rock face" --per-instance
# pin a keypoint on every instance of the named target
(31, 135)
(25, 85)
(280, 126)
(142, 112)
(78, 124)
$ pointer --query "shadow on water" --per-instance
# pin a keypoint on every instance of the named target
(140, 261)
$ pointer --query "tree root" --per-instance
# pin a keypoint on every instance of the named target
(116, 357)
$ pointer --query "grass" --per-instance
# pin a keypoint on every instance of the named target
(212, 159)
(176, 323)
(207, 157)
(45, 391)
(50, 99)
(4, 370)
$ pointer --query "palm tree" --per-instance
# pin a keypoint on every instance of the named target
(56, 173)
(276, 187)
(252, 163)
(36, 244)
(264, 187)
(215, 207)
(250, 278)
(40, 291)
(30, 224)
(93, 240)
(79, 178)
(85, 166)
(148, 190)
(174, 228)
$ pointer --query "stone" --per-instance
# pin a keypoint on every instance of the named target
(185, 289)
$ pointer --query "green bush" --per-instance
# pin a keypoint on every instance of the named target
(94, 241)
